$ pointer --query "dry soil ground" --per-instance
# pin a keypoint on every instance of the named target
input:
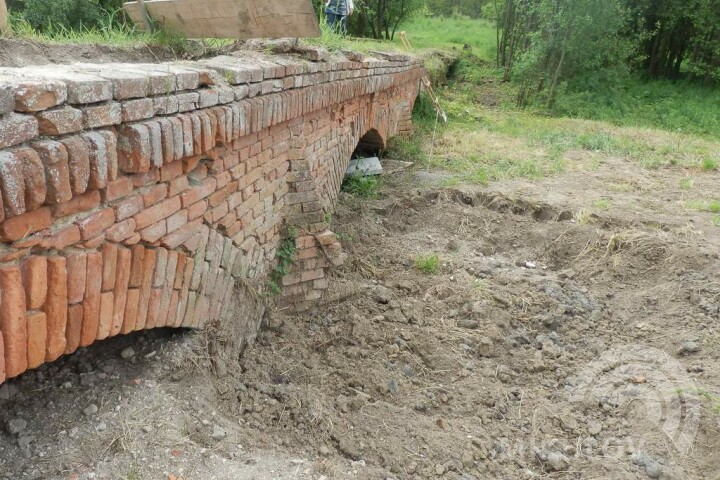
(551, 342)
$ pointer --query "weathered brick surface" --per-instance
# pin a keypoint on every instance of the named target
(155, 187)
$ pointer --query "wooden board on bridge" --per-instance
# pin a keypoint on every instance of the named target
(227, 18)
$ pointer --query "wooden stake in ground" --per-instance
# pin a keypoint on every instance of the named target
(426, 83)
(5, 29)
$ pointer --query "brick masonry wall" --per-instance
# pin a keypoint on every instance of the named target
(136, 196)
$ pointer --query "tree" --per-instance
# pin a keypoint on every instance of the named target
(546, 42)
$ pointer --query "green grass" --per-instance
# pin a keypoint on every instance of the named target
(672, 106)
(602, 204)
(360, 186)
(687, 184)
(428, 264)
(712, 206)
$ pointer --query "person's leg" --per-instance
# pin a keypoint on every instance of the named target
(343, 25)
(332, 19)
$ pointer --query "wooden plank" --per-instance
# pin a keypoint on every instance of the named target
(229, 18)
(5, 29)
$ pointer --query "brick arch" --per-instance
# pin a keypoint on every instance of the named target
(370, 143)
(141, 196)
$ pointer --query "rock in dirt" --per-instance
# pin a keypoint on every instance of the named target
(218, 433)
(653, 469)
(15, 426)
(90, 410)
(468, 324)
(128, 353)
(556, 461)
(467, 459)
(688, 348)
(7, 391)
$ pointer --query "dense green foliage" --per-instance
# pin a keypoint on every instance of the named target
(45, 15)
(378, 18)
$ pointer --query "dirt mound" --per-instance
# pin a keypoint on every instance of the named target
(546, 344)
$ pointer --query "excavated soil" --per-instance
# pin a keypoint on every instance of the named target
(548, 344)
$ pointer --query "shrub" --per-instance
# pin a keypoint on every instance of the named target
(44, 15)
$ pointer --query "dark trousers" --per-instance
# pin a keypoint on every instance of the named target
(337, 22)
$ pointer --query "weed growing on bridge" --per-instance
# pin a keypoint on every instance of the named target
(364, 187)
(287, 250)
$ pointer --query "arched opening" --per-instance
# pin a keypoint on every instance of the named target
(370, 145)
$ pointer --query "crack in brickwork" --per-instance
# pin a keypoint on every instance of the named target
(136, 196)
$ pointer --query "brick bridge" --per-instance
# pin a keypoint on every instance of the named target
(138, 196)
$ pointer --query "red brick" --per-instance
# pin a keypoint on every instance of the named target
(167, 289)
(77, 269)
(217, 198)
(74, 328)
(148, 271)
(128, 207)
(185, 289)
(80, 203)
(34, 272)
(106, 315)
(38, 95)
(78, 163)
(37, 338)
(171, 170)
(156, 152)
(160, 267)
(172, 310)
(109, 253)
(167, 139)
(56, 308)
(130, 316)
(180, 271)
(54, 157)
(34, 176)
(23, 225)
(178, 139)
(197, 134)
(98, 159)
(96, 223)
(208, 135)
(133, 240)
(197, 210)
(140, 109)
(93, 243)
(190, 163)
(152, 195)
(154, 232)
(153, 308)
(12, 321)
(187, 126)
(62, 238)
(134, 148)
(91, 302)
(60, 121)
(12, 184)
(111, 149)
(157, 212)
(146, 179)
(182, 234)
(103, 115)
(176, 221)
(16, 129)
(136, 266)
(199, 192)
(178, 185)
(121, 231)
(120, 188)
(121, 289)
(2, 358)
